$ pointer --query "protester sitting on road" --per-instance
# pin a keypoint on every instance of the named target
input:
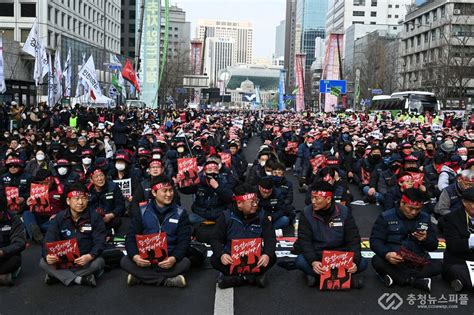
(242, 221)
(83, 224)
(401, 239)
(271, 202)
(12, 243)
(459, 234)
(326, 225)
(450, 198)
(159, 215)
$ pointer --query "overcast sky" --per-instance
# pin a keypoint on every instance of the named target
(265, 15)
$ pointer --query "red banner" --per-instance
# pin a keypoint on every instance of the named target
(318, 163)
(226, 159)
(336, 276)
(67, 251)
(300, 60)
(417, 178)
(39, 195)
(187, 172)
(13, 193)
(129, 74)
(152, 247)
(245, 253)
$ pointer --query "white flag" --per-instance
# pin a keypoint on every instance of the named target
(51, 84)
(87, 73)
(58, 73)
(114, 61)
(121, 82)
(3, 87)
(34, 47)
(80, 82)
(67, 75)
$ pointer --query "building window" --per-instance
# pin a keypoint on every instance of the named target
(131, 42)
(411, 42)
(373, 3)
(418, 40)
(426, 37)
(417, 58)
(131, 28)
(358, 13)
(373, 14)
(373, 23)
(56, 39)
(49, 13)
(24, 34)
(28, 9)
(389, 6)
(389, 16)
(359, 3)
(443, 11)
(132, 15)
(50, 38)
(435, 15)
(395, 27)
(56, 18)
(397, 6)
(396, 16)
(6, 9)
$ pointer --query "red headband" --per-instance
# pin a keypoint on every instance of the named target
(76, 193)
(405, 178)
(97, 170)
(155, 163)
(248, 196)
(406, 200)
(321, 194)
(264, 189)
(13, 161)
(161, 186)
(211, 167)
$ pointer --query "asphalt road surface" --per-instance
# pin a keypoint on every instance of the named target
(286, 291)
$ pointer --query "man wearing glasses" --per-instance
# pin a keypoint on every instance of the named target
(15, 183)
(242, 221)
(85, 226)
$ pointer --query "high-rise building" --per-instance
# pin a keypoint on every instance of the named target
(280, 40)
(240, 32)
(437, 51)
(91, 27)
(342, 14)
(290, 43)
(179, 30)
(311, 21)
(219, 54)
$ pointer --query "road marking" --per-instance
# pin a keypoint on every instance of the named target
(224, 301)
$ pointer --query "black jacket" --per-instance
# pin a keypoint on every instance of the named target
(120, 131)
(12, 234)
(457, 239)
(89, 231)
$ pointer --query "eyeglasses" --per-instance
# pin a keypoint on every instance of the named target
(14, 166)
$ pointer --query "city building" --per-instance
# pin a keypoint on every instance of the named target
(280, 40)
(240, 32)
(91, 27)
(311, 20)
(219, 54)
(179, 30)
(437, 51)
(290, 43)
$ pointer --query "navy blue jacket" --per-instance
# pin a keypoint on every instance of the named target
(337, 231)
(274, 205)
(173, 220)
(232, 225)
(108, 200)
(21, 180)
(392, 230)
(89, 231)
(12, 234)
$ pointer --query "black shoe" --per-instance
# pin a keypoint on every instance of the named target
(260, 281)
(89, 281)
(6, 280)
(388, 281)
(225, 282)
(422, 284)
(357, 282)
(178, 282)
(250, 279)
(457, 285)
(131, 280)
(50, 280)
(37, 235)
(310, 281)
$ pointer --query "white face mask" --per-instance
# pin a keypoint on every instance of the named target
(62, 171)
(262, 163)
(39, 143)
(86, 161)
(72, 150)
(120, 166)
(156, 156)
(40, 157)
(180, 150)
(464, 157)
(93, 146)
(309, 144)
(268, 173)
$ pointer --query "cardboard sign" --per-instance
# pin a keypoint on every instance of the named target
(318, 163)
(39, 194)
(67, 251)
(226, 159)
(125, 186)
(292, 147)
(13, 193)
(187, 172)
(336, 264)
(364, 176)
(245, 252)
(152, 247)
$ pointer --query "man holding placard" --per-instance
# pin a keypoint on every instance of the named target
(158, 240)
(74, 242)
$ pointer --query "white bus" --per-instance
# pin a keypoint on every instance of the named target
(409, 101)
